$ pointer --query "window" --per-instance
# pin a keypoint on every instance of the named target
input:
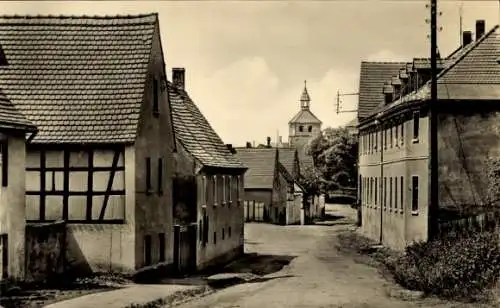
(148, 174)
(156, 110)
(214, 189)
(385, 192)
(396, 138)
(229, 188)
(147, 250)
(215, 238)
(390, 136)
(160, 176)
(204, 190)
(224, 189)
(376, 192)
(414, 194)
(310, 129)
(395, 193)
(228, 231)
(161, 238)
(385, 139)
(402, 133)
(401, 194)
(223, 234)
(238, 188)
(4, 151)
(205, 226)
(4, 256)
(390, 193)
(416, 125)
(371, 191)
(301, 128)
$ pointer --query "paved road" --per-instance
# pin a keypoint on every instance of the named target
(318, 276)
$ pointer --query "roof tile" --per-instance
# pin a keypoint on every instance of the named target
(195, 133)
(79, 79)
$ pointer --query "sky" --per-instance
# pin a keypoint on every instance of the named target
(246, 61)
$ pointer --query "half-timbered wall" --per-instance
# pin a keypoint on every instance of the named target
(76, 185)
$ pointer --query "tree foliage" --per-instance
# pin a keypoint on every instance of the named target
(335, 155)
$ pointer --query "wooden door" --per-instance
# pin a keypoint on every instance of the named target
(4, 257)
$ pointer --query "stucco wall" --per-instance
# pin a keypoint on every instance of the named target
(465, 143)
(400, 226)
(12, 209)
(153, 210)
(226, 225)
(225, 218)
(100, 248)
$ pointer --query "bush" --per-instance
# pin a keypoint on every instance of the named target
(460, 267)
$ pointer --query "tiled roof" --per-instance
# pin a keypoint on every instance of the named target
(287, 158)
(373, 75)
(261, 165)
(10, 117)
(306, 117)
(79, 79)
(471, 74)
(195, 133)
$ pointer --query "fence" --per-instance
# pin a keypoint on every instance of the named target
(487, 221)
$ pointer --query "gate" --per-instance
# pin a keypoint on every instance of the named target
(185, 228)
(185, 248)
(254, 211)
(4, 257)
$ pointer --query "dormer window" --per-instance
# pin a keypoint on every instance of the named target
(310, 129)
(301, 128)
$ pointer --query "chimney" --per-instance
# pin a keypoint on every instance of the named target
(268, 142)
(249, 145)
(466, 38)
(480, 28)
(230, 148)
(178, 74)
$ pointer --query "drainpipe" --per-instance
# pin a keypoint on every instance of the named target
(381, 183)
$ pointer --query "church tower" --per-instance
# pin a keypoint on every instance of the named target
(304, 126)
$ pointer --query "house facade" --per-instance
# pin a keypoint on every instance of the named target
(394, 142)
(14, 130)
(271, 193)
(95, 87)
(215, 207)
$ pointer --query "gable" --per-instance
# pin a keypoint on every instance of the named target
(78, 79)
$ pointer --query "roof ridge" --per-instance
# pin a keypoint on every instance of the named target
(73, 16)
(383, 62)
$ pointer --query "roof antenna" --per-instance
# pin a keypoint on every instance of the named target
(461, 12)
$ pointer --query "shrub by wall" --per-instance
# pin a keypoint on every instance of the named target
(455, 266)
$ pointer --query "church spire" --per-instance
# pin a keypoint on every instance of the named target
(305, 100)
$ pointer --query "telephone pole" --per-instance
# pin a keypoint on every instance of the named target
(433, 108)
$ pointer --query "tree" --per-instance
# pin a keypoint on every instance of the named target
(335, 154)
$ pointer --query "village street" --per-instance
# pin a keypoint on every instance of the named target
(318, 276)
